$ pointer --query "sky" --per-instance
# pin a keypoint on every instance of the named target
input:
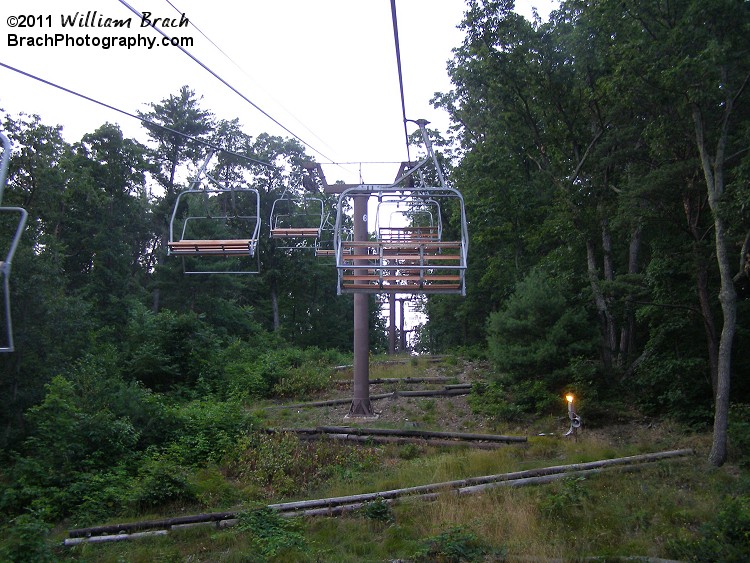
(325, 70)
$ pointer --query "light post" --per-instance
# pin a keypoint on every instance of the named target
(575, 420)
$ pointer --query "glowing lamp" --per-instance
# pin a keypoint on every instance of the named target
(575, 420)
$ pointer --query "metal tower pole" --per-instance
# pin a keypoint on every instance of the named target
(361, 406)
(392, 323)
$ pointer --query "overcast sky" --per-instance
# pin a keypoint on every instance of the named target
(325, 70)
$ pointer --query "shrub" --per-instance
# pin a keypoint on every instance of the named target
(272, 535)
(25, 539)
(726, 538)
(739, 433)
(378, 510)
(282, 465)
(456, 546)
(161, 480)
(567, 499)
(208, 430)
(539, 331)
(167, 351)
(505, 400)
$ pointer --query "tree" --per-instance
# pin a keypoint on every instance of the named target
(703, 72)
(177, 125)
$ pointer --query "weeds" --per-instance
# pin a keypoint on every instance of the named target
(456, 546)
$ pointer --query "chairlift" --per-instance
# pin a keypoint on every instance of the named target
(324, 243)
(7, 343)
(298, 220)
(415, 220)
(215, 228)
(412, 258)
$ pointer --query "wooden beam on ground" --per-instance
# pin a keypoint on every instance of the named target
(426, 492)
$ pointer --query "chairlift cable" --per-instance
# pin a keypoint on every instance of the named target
(232, 88)
(400, 74)
(142, 120)
(242, 70)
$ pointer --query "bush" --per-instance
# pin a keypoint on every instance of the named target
(282, 465)
(506, 400)
(272, 535)
(208, 431)
(25, 539)
(161, 480)
(457, 546)
(378, 510)
(739, 433)
(539, 332)
(167, 351)
(726, 538)
(284, 372)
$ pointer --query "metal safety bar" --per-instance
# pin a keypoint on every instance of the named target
(8, 344)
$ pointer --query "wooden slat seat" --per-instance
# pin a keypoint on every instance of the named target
(324, 252)
(305, 232)
(394, 245)
(416, 259)
(213, 247)
(408, 233)
(426, 278)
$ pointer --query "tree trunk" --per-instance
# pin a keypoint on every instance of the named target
(627, 335)
(609, 339)
(693, 215)
(714, 175)
(275, 308)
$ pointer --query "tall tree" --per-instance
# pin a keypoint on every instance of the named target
(177, 124)
(693, 56)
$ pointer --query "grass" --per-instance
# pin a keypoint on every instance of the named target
(608, 515)
(613, 514)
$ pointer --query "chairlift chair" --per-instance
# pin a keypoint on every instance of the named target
(403, 259)
(412, 258)
(417, 220)
(297, 221)
(215, 228)
(324, 243)
(7, 344)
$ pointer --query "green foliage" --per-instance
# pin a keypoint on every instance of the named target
(161, 480)
(282, 372)
(167, 350)
(539, 331)
(512, 401)
(739, 433)
(281, 465)
(25, 539)
(725, 538)
(208, 430)
(563, 502)
(378, 510)
(96, 496)
(271, 535)
(457, 546)
(212, 489)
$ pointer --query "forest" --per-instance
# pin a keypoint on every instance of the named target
(604, 158)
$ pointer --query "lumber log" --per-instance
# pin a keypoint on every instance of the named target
(409, 380)
(467, 486)
(163, 523)
(394, 394)
(329, 402)
(433, 392)
(113, 537)
(420, 433)
(430, 359)
(364, 438)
